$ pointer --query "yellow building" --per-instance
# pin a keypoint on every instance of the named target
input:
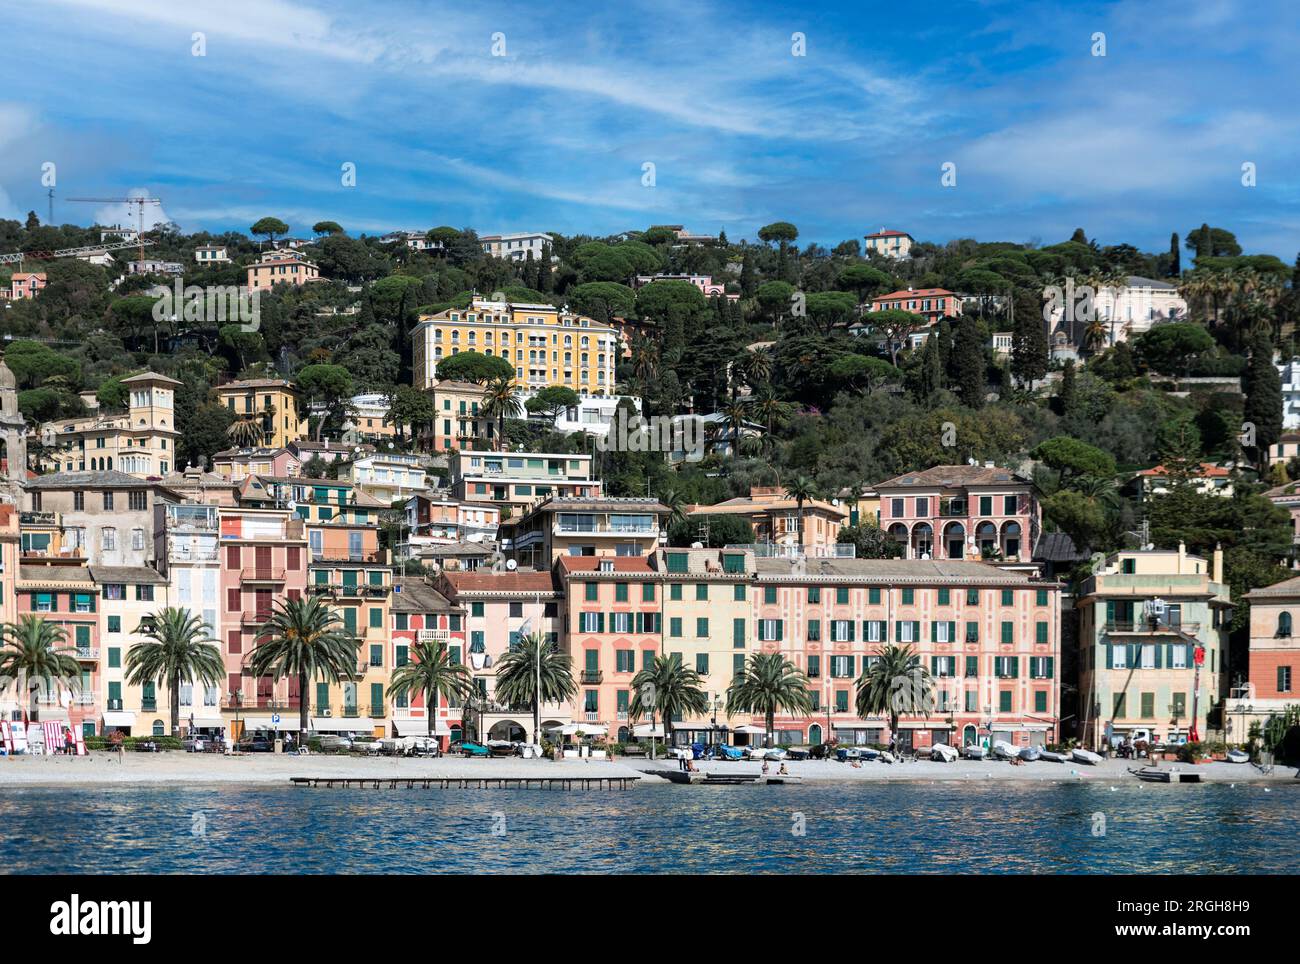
(546, 345)
(140, 442)
(274, 400)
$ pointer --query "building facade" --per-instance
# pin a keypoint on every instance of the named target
(141, 442)
(274, 402)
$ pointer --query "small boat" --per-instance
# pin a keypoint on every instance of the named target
(1085, 756)
(1171, 775)
(887, 757)
(973, 751)
(1030, 753)
(726, 752)
(1238, 756)
(1004, 750)
(943, 753)
(1051, 757)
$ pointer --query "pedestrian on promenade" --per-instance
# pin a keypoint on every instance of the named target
(69, 743)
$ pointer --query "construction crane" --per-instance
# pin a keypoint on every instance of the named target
(139, 203)
(17, 257)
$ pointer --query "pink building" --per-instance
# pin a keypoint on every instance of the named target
(931, 303)
(962, 512)
(263, 559)
(26, 284)
(421, 614)
(705, 282)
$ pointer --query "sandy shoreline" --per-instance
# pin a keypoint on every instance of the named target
(104, 769)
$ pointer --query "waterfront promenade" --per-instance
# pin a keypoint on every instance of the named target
(188, 768)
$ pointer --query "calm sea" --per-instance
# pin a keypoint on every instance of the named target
(912, 828)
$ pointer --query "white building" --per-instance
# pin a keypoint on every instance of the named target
(387, 476)
(1127, 311)
(593, 415)
(211, 254)
(516, 247)
(890, 244)
(1290, 373)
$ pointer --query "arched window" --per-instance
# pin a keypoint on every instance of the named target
(1284, 624)
(158, 729)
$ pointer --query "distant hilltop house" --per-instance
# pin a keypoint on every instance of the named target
(1208, 478)
(154, 266)
(211, 254)
(281, 267)
(890, 244)
(931, 303)
(516, 247)
(117, 233)
(415, 240)
(684, 237)
(708, 287)
(1127, 312)
(25, 284)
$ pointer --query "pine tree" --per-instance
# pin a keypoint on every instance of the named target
(1175, 258)
(968, 358)
(545, 281)
(1263, 397)
(722, 238)
(1029, 349)
(1079, 236)
(1204, 242)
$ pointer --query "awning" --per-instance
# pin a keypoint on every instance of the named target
(335, 724)
(750, 730)
(420, 728)
(645, 729)
(119, 719)
(287, 724)
(206, 722)
(570, 729)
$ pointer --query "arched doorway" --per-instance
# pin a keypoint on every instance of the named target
(954, 541)
(986, 537)
(1011, 540)
(898, 532)
(507, 730)
(815, 734)
(969, 736)
(624, 734)
(922, 541)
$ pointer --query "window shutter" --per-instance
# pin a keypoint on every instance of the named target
(1110, 658)
(1159, 653)
(1051, 667)
(1015, 667)
(849, 623)
(780, 630)
(898, 630)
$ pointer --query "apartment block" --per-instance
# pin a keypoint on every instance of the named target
(421, 614)
(273, 402)
(516, 481)
(139, 442)
(562, 526)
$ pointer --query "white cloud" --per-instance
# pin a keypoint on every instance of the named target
(128, 215)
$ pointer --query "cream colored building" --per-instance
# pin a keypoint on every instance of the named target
(274, 401)
(283, 266)
(141, 442)
(128, 597)
(546, 345)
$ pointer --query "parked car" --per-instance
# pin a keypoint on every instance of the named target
(196, 744)
(469, 748)
(255, 744)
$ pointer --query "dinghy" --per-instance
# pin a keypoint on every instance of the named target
(1004, 750)
(1030, 753)
(943, 753)
(887, 757)
(1085, 756)
(973, 751)
(1171, 775)
(1238, 756)
(1051, 757)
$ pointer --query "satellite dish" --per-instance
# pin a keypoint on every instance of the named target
(511, 565)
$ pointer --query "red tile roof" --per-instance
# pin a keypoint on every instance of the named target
(1208, 471)
(916, 293)
(500, 581)
(592, 563)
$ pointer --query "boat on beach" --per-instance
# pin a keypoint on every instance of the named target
(1085, 756)
(1030, 753)
(1051, 757)
(1005, 751)
(943, 753)
(973, 751)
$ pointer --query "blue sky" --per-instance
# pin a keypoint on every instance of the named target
(554, 135)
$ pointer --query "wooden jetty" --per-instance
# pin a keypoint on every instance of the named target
(470, 783)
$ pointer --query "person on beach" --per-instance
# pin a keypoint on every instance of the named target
(783, 771)
(69, 743)
(119, 744)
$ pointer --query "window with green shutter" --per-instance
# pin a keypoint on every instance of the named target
(1042, 597)
(738, 592)
(814, 629)
(738, 663)
(732, 562)
(986, 505)
(769, 594)
(675, 626)
(702, 627)
(647, 658)
(476, 609)
(1008, 597)
(675, 592)
(647, 592)
(591, 595)
(841, 701)
(842, 595)
(322, 696)
(945, 597)
(376, 618)
(401, 621)
(114, 657)
(677, 561)
(83, 636)
(701, 592)
(620, 592)
(873, 595)
(376, 654)
(1008, 632)
(702, 663)
(1148, 706)
(1040, 632)
(377, 698)
(114, 624)
(814, 666)
(401, 655)
(350, 619)
(972, 666)
(814, 594)
(909, 597)
(738, 633)
(1004, 701)
(625, 660)
(972, 597)
(972, 632)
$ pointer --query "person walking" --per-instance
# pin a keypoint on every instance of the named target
(69, 743)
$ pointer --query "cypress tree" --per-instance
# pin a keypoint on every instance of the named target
(968, 359)
(544, 279)
(1263, 397)
(747, 281)
(1175, 258)
(1066, 392)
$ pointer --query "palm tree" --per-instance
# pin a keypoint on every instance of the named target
(768, 682)
(502, 400)
(302, 639)
(178, 647)
(245, 432)
(32, 650)
(670, 689)
(756, 366)
(519, 671)
(1094, 334)
(673, 500)
(736, 412)
(767, 405)
(894, 684)
(433, 674)
(802, 489)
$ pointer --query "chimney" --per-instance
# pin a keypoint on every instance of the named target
(1182, 555)
(1218, 563)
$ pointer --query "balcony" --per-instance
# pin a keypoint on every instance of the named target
(179, 555)
(378, 711)
(38, 518)
(149, 706)
(376, 557)
(606, 530)
(1150, 627)
(258, 703)
(87, 654)
(267, 576)
(591, 716)
(590, 677)
(256, 617)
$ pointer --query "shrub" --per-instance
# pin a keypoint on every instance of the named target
(1191, 752)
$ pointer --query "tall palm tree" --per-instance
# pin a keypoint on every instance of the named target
(756, 366)
(33, 651)
(519, 670)
(502, 400)
(802, 489)
(302, 638)
(769, 407)
(177, 647)
(894, 684)
(768, 682)
(433, 674)
(670, 689)
(245, 432)
(673, 500)
(736, 412)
